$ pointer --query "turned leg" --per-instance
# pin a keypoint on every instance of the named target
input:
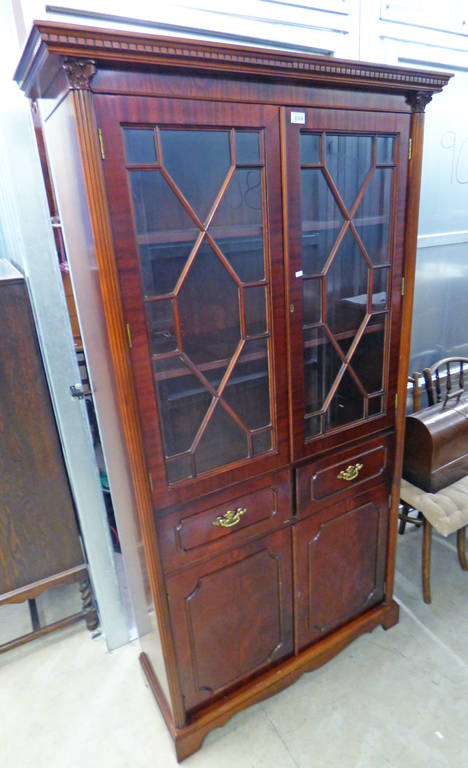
(461, 548)
(426, 561)
(89, 610)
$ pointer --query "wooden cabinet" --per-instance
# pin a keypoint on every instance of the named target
(254, 218)
(40, 541)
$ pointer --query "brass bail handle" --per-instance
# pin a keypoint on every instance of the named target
(350, 473)
(230, 518)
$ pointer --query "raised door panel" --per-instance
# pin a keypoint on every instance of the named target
(340, 557)
(346, 181)
(232, 617)
(195, 200)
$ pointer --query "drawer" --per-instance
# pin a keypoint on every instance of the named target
(224, 520)
(328, 479)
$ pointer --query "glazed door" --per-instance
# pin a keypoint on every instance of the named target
(345, 174)
(195, 200)
(340, 559)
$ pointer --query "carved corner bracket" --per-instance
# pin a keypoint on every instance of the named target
(418, 100)
(79, 72)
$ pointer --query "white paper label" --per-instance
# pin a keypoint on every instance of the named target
(298, 118)
(299, 273)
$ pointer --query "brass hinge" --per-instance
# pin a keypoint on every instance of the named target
(101, 143)
(151, 481)
(396, 401)
(390, 501)
(410, 149)
(402, 286)
(129, 335)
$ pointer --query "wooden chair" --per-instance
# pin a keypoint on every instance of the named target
(446, 510)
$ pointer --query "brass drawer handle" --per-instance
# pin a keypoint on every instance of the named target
(230, 518)
(350, 472)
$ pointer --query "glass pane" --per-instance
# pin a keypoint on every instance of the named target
(209, 311)
(384, 149)
(166, 233)
(183, 403)
(312, 300)
(368, 359)
(348, 158)
(310, 148)
(380, 289)
(321, 220)
(247, 150)
(222, 443)
(248, 392)
(373, 216)
(261, 443)
(255, 310)
(139, 146)
(180, 468)
(375, 406)
(198, 162)
(347, 284)
(312, 426)
(321, 366)
(237, 225)
(347, 404)
(160, 316)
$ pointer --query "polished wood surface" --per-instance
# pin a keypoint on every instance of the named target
(40, 545)
(340, 557)
(223, 594)
(38, 528)
(251, 589)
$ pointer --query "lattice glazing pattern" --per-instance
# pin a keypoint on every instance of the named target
(346, 198)
(199, 212)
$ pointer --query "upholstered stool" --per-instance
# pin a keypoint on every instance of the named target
(447, 512)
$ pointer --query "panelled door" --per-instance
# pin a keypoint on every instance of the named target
(194, 192)
(345, 174)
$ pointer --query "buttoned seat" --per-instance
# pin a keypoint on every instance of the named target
(446, 510)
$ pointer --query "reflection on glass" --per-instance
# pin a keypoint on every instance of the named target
(209, 310)
(198, 162)
(248, 385)
(255, 310)
(375, 406)
(261, 442)
(380, 289)
(203, 281)
(179, 468)
(247, 150)
(312, 426)
(237, 226)
(139, 146)
(384, 149)
(166, 234)
(347, 405)
(310, 148)
(368, 358)
(160, 315)
(347, 285)
(348, 158)
(321, 220)
(372, 219)
(312, 300)
(321, 366)
(222, 443)
(179, 392)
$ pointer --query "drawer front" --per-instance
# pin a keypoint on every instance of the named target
(332, 477)
(227, 519)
